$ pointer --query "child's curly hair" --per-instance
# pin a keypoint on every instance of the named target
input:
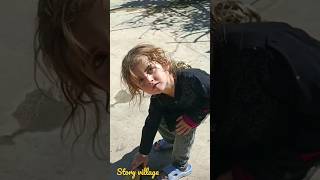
(232, 11)
(153, 54)
(61, 57)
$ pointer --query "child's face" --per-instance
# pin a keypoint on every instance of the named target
(91, 30)
(152, 77)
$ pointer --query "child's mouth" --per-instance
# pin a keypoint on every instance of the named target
(155, 85)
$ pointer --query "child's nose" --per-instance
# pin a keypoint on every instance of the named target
(150, 78)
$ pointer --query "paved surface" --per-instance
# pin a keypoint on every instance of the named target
(302, 14)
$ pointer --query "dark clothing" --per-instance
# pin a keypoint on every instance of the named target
(191, 98)
(266, 99)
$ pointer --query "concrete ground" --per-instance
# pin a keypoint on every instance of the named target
(301, 14)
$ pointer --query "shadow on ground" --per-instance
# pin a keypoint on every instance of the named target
(184, 17)
(157, 161)
(37, 113)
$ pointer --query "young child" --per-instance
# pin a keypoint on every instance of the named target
(179, 103)
(72, 47)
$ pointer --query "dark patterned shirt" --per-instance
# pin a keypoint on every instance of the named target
(191, 100)
(266, 100)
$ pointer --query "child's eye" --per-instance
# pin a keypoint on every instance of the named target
(150, 70)
(99, 60)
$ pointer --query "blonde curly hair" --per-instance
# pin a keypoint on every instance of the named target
(153, 54)
(232, 11)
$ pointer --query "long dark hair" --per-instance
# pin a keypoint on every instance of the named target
(59, 55)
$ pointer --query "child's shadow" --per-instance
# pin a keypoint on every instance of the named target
(157, 160)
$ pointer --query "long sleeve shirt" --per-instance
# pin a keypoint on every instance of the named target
(266, 98)
(191, 100)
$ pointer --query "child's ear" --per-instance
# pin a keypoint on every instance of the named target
(166, 66)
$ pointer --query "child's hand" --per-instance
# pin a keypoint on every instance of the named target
(140, 159)
(182, 128)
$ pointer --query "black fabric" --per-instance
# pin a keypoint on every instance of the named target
(192, 98)
(266, 98)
